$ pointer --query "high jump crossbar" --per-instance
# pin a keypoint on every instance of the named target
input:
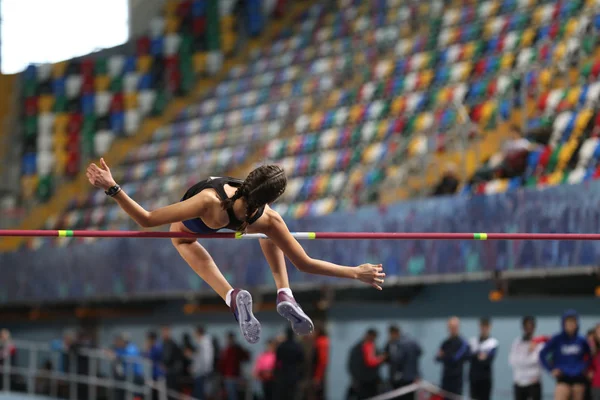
(305, 235)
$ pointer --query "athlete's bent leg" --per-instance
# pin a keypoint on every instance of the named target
(240, 301)
(200, 261)
(287, 306)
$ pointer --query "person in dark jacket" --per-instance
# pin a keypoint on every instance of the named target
(403, 359)
(289, 363)
(567, 356)
(172, 359)
(364, 366)
(453, 353)
(483, 352)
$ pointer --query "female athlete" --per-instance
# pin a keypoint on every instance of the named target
(226, 203)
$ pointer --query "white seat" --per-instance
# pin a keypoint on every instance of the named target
(45, 123)
(115, 65)
(132, 122)
(102, 103)
(146, 100)
(130, 82)
(73, 85)
(102, 141)
(44, 162)
(157, 27)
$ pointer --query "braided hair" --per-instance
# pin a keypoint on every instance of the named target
(262, 186)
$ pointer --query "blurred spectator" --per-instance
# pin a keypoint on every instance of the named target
(289, 361)
(449, 182)
(483, 352)
(202, 363)
(189, 349)
(403, 358)
(453, 353)
(515, 152)
(524, 359)
(8, 351)
(595, 365)
(8, 354)
(264, 369)
(590, 337)
(154, 353)
(124, 367)
(42, 381)
(567, 356)
(231, 365)
(364, 366)
(320, 362)
(172, 358)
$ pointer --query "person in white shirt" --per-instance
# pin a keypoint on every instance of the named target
(524, 359)
(202, 363)
(483, 352)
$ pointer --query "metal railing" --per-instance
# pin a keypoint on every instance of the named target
(84, 373)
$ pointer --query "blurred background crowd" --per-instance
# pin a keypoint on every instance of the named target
(210, 367)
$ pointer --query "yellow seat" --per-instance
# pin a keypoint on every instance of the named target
(398, 105)
(171, 7)
(545, 77)
(60, 124)
(582, 120)
(60, 156)
(426, 78)
(59, 142)
(102, 83)
(355, 113)
(315, 121)
(538, 15)
(469, 49)
(200, 62)
(527, 38)
(333, 98)
(573, 97)
(228, 41)
(559, 51)
(171, 25)
(130, 101)
(487, 111)
(29, 185)
(45, 103)
(144, 63)
(571, 27)
(58, 69)
(466, 71)
(507, 61)
(382, 129)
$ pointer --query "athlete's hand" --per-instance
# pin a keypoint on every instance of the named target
(100, 176)
(371, 274)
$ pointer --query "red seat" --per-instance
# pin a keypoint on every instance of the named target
(142, 47)
(199, 25)
(31, 105)
(75, 123)
(116, 104)
(88, 85)
(87, 67)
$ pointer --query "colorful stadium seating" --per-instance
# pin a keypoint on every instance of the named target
(340, 104)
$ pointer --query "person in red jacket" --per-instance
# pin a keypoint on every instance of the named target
(595, 364)
(364, 366)
(320, 361)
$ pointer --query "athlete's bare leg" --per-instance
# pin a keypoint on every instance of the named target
(200, 261)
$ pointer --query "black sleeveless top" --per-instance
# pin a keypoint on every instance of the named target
(196, 225)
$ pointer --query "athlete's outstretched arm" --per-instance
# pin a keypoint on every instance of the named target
(278, 232)
(101, 177)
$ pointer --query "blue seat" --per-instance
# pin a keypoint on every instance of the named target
(88, 104)
(29, 163)
(117, 122)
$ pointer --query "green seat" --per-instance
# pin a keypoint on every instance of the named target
(45, 188)
(160, 103)
(29, 88)
(116, 85)
(101, 67)
(213, 25)
(31, 126)
(60, 104)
